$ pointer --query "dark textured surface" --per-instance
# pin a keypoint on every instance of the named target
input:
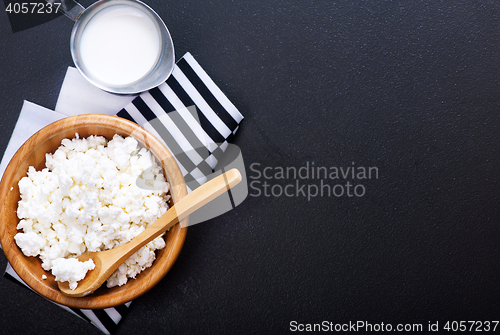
(409, 87)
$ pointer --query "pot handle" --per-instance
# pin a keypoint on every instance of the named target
(70, 8)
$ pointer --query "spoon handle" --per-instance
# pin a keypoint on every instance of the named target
(187, 205)
(70, 8)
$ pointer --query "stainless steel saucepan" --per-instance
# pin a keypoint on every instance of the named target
(160, 69)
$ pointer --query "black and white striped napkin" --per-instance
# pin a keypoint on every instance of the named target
(196, 121)
(193, 117)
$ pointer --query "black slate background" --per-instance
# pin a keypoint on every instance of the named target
(409, 87)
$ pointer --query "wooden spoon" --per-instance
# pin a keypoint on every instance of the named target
(106, 262)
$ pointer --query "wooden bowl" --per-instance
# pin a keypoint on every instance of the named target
(32, 153)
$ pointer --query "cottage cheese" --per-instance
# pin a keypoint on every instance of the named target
(71, 270)
(93, 195)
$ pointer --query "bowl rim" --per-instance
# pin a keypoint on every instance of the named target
(176, 235)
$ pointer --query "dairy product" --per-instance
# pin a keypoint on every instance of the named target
(119, 45)
(88, 199)
(71, 270)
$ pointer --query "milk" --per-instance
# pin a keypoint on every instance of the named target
(119, 45)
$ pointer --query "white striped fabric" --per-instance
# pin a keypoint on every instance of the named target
(192, 116)
(196, 121)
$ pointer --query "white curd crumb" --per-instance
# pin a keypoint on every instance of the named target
(71, 270)
(30, 243)
(44, 277)
(92, 195)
